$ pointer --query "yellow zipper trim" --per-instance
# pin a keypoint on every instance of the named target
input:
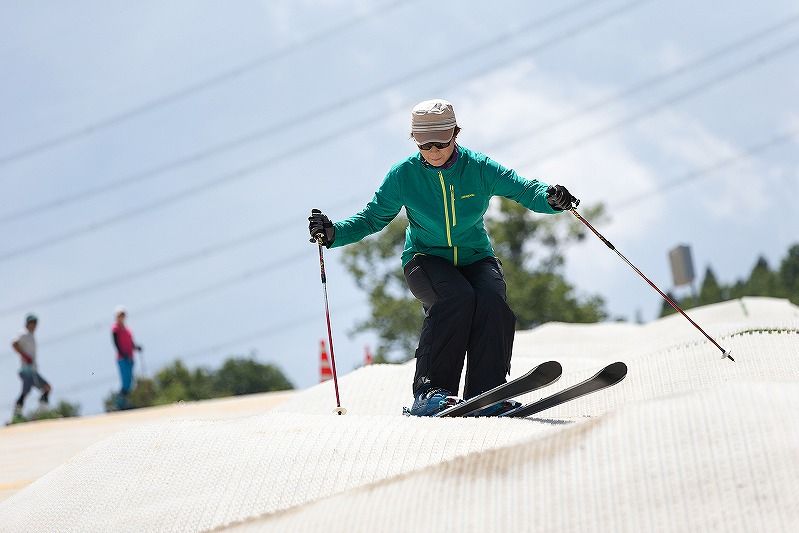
(452, 197)
(446, 208)
(454, 221)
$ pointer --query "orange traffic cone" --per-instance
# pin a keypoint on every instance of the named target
(367, 356)
(325, 370)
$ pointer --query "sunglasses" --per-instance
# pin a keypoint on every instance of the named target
(440, 146)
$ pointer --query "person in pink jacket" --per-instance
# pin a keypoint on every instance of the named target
(125, 346)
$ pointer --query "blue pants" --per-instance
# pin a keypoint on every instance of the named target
(126, 374)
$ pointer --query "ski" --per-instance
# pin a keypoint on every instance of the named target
(540, 376)
(608, 376)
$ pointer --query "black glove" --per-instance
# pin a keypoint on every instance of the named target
(560, 198)
(321, 227)
(138, 348)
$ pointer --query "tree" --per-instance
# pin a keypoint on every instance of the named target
(247, 376)
(142, 395)
(762, 281)
(63, 409)
(789, 274)
(710, 292)
(666, 309)
(530, 248)
(395, 314)
(176, 383)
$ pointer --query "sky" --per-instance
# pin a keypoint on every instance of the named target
(165, 156)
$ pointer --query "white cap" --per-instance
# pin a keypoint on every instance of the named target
(119, 310)
(433, 121)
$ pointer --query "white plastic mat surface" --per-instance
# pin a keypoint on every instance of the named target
(686, 442)
(193, 476)
(721, 460)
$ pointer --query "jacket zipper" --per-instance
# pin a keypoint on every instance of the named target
(446, 218)
(452, 197)
(454, 222)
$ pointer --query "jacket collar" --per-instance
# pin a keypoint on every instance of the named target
(453, 159)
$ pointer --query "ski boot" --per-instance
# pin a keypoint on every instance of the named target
(431, 402)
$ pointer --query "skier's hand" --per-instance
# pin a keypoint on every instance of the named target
(322, 230)
(139, 348)
(560, 198)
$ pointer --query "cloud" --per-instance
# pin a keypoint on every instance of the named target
(792, 124)
(692, 147)
(671, 55)
(499, 111)
(503, 114)
(508, 104)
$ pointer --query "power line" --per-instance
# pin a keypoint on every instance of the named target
(691, 177)
(758, 61)
(226, 344)
(293, 122)
(136, 274)
(176, 300)
(140, 273)
(195, 88)
(647, 83)
(623, 204)
(307, 144)
(155, 307)
(136, 211)
(261, 333)
(768, 31)
(285, 261)
(189, 257)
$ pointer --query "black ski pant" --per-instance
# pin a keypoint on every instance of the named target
(466, 314)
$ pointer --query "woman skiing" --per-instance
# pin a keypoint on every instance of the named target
(448, 260)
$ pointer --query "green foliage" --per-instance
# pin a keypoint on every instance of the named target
(711, 290)
(530, 247)
(396, 315)
(789, 274)
(762, 281)
(246, 376)
(176, 383)
(143, 394)
(555, 299)
(62, 410)
(531, 250)
(666, 309)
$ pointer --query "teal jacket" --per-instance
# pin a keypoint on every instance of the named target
(445, 207)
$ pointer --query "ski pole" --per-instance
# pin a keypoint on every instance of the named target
(143, 366)
(724, 353)
(338, 410)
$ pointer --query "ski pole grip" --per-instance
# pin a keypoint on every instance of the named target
(319, 236)
(322, 264)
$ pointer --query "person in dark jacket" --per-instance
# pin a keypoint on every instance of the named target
(125, 346)
(448, 260)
